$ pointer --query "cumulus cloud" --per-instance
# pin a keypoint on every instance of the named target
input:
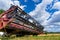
(52, 28)
(5, 4)
(55, 17)
(53, 23)
(56, 5)
(39, 13)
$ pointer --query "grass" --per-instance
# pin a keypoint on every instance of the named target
(39, 37)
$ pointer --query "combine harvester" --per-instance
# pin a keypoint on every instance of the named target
(16, 21)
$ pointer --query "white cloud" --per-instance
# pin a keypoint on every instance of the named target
(53, 23)
(39, 13)
(57, 23)
(5, 4)
(16, 2)
(56, 5)
(55, 18)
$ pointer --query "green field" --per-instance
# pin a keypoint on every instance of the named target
(39, 37)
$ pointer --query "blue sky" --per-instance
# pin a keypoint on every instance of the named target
(46, 12)
(30, 5)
